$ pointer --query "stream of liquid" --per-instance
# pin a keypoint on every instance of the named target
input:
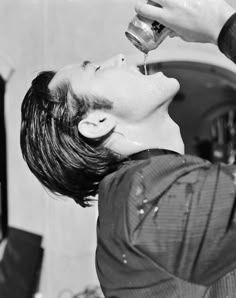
(145, 64)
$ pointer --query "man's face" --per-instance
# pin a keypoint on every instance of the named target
(134, 95)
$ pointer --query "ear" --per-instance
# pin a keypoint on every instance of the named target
(96, 124)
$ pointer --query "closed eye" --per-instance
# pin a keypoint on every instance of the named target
(97, 68)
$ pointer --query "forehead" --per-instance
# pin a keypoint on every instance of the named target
(66, 73)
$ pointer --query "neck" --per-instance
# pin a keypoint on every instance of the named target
(154, 132)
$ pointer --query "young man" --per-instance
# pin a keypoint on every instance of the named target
(88, 118)
(167, 221)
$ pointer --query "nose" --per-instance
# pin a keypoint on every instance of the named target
(116, 61)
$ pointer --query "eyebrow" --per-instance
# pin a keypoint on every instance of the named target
(85, 63)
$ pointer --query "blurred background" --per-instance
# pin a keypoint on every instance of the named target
(38, 35)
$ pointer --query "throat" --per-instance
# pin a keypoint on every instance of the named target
(130, 138)
(163, 134)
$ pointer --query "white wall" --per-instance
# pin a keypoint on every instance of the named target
(42, 34)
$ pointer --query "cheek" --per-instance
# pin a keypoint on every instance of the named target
(126, 108)
(136, 99)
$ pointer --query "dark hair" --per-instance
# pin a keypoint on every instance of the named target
(57, 154)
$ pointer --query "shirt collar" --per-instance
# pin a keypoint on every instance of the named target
(146, 154)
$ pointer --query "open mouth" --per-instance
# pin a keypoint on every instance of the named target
(136, 69)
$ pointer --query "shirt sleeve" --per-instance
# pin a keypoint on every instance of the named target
(227, 38)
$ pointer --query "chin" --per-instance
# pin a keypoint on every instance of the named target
(173, 88)
(169, 86)
(175, 85)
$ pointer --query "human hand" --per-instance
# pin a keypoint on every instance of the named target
(192, 20)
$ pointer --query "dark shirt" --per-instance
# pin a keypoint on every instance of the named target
(167, 228)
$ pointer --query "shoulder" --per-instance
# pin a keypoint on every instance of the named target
(157, 174)
(161, 168)
(119, 182)
(164, 171)
(152, 176)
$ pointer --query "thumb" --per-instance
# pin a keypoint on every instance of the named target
(151, 12)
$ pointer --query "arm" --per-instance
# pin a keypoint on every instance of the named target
(206, 21)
